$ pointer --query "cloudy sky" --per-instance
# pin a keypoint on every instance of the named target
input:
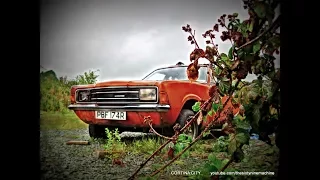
(124, 39)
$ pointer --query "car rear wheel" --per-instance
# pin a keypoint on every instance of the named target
(193, 129)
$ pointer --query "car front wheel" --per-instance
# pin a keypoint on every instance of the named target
(97, 131)
(193, 129)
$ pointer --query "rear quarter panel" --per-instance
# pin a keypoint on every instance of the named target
(179, 92)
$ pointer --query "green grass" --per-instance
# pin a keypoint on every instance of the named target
(61, 121)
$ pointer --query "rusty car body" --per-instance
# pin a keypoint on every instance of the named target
(166, 95)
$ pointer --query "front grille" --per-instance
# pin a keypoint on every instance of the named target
(116, 95)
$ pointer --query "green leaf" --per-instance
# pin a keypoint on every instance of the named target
(210, 168)
(224, 57)
(232, 144)
(275, 40)
(256, 47)
(250, 28)
(218, 71)
(206, 134)
(230, 25)
(260, 9)
(233, 86)
(230, 55)
(240, 53)
(189, 139)
(242, 28)
(269, 57)
(211, 112)
(240, 122)
(243, 138)
(271, 74)
(217, 106)
(215, 161)
(178, 147)
(235, 15)
(223, 87)
(196, 107)
(225, 161)
(182, 137)
(233, 100)
(224, 79)
(256, 115)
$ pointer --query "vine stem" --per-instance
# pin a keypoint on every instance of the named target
(195, 42)
(150, 157)
(154, 131)
(216, 177)
(199, 137)
(169, 140)
(272, 27)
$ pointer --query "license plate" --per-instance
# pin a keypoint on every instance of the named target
(113, 115)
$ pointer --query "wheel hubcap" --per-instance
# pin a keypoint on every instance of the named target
(190, 130)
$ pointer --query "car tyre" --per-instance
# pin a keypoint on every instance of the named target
(97, 131)
(184, 115)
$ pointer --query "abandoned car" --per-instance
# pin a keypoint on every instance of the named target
(166, 95)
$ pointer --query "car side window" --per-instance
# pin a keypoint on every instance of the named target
(203, 74)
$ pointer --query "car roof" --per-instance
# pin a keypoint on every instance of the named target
(185, 65)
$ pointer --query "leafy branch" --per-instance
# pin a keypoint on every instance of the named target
(194, 141)
(255, 104)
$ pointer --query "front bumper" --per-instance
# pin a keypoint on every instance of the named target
(134, 114)
(132, 108)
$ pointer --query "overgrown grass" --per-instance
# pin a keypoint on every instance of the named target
(60, 120)
(55, 98)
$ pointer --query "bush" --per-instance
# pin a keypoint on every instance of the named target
(55, 92)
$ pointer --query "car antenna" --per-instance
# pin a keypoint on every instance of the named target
(179, 63)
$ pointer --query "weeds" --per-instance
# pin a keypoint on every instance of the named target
(114, 146)
(145, 146)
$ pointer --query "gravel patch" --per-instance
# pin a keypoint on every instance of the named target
(61, 161)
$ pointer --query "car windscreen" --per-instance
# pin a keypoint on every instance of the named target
(175, 73)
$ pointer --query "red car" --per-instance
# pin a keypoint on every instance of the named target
(165, 94)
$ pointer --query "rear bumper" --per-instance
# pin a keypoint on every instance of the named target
(132, 108)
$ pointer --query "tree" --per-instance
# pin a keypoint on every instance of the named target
(88, 77)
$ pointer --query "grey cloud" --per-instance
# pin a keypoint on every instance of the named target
(124, 39)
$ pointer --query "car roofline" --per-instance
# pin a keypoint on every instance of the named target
(167, 67)
(201, 65)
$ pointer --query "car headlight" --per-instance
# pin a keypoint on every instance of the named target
(83, 96)
(147, 94)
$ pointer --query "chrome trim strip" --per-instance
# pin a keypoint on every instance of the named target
(109, 92)
(138, 107)
(109, 87)
(114, 98)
